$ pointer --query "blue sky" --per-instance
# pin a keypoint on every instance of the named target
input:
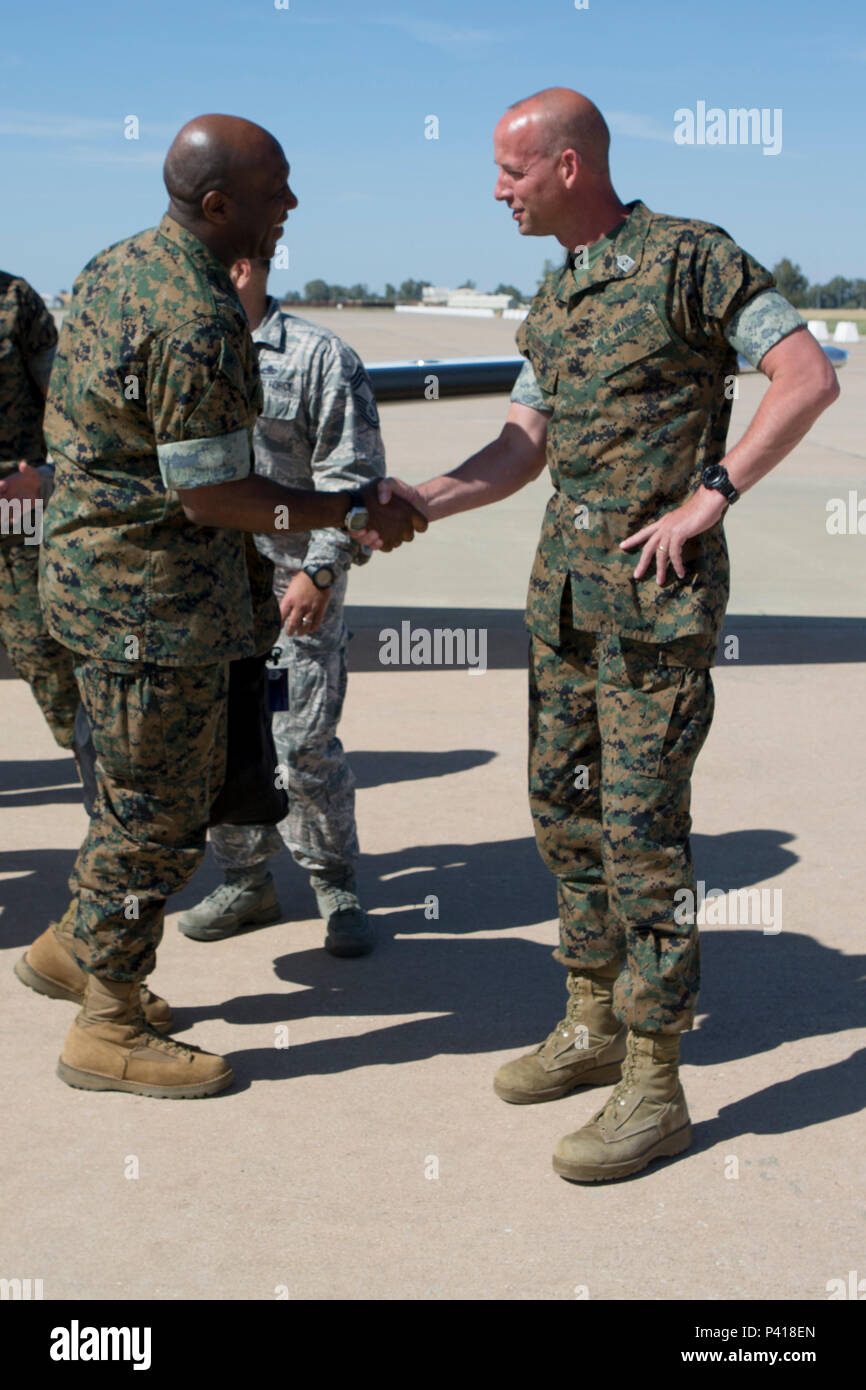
(346, 86)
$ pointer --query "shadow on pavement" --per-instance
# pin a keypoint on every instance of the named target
(762, 639)
(499, 995)
(43, 782)
(36, 896)
(810, 1098)
(505, 993)
(381, 769)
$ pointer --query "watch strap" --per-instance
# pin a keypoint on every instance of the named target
(721, 483)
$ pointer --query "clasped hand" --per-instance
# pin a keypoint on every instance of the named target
(26, 484)
(393, 518)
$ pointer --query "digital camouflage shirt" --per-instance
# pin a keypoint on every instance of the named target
(155, 388)
(319, 429)
(28, 338)
(635, 369)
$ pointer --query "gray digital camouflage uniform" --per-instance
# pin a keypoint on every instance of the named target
(319, 428)
(631, 350)
(28, 339)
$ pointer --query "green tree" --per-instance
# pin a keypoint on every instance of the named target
(411, 289)
(791, 282)
(839, 289)
(548, 269)
(390, 292)
(834, 295)
(468, 285)
(516, 297)
(317, 289)
(858, 294)
(358, 292)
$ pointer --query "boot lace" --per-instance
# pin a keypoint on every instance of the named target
(570, 1026)
(225, 894)
(167, 1045)
(339, 900)
(625, 1084)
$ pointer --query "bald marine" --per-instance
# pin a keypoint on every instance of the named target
(227, 182)
(552, 152)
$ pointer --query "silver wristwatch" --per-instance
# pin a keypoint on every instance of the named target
(357, 518)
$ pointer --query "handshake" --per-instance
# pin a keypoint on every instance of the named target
(395, 511)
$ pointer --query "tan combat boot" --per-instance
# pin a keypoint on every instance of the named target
(585, 1049)
(646, 1116)
(111, 1048)
(50, 968)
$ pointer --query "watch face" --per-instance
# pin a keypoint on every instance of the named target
(357, 519)
(321, 575)
(712, 475)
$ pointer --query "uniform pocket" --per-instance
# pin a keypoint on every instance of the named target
(648, 722)
(639, 336)
(660, 711)
(126, 724)
(282, 398)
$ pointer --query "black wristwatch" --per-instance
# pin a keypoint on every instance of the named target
(322, 575)
(716, 477)
(357, 517)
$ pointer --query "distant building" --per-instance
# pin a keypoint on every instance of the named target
(464, 299)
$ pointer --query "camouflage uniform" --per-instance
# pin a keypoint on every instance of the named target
(630, 349)
(155, 388)
(319, 429)
(27, 341)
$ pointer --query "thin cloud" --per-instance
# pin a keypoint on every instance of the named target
(441, 35)
(634, 124)
(38, 126)
(130, 157)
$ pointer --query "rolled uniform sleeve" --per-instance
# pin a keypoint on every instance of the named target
(760, 324)
(348, 451)
(199, 408)
(526, 391)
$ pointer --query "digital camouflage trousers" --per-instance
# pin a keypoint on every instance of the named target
(159, 733)
(615, 728)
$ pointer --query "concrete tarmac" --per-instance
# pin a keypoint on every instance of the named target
(362, 1153)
